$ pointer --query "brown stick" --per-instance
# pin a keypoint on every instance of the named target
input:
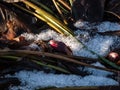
(80, 57)
(57, 56)
(64, 4)
(113, 33)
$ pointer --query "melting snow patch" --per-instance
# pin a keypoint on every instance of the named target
(102, 27)
(108, 26)
(99, 44)
(97, 72)
(31, 80)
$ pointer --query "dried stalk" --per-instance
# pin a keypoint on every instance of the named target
(60, 12)
(65, 4)
(51, 66)
(71, 2)
(36, 60)
(113, 33)
(57, 56)
(48, 18)
(81, 58)
(44, 7)
(113, 14)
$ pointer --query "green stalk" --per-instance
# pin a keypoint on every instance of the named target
(63, 9)
(53, 22)
(39, 17)
(65, 4)
(38, 62)
(44, 7)
(102, 58)
(9, 57)
(51, 66)
(60, 12)
(58, 57)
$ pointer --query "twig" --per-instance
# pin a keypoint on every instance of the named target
(114, 33)
(80, 58)
(113, 14)
(57, 56)
(71, 2)
(60, 12)
(64, 4)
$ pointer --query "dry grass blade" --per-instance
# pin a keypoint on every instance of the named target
(65, 4)
(51, 66)
(71, 2)
(113, 14)
(48, 18)
(58, 57)
(117, 4)
(103, 59)
(81, 58)
(2, 13)
(110, 33)
(60, 12)
(64, 10)
(44, 7)
(41, 18)
(35, 60)
(10, 57)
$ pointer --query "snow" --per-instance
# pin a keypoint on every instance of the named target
(97, 72)
(50, 34)
(108, 26)
(97, 43)
(34, 79)
(102, 27)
